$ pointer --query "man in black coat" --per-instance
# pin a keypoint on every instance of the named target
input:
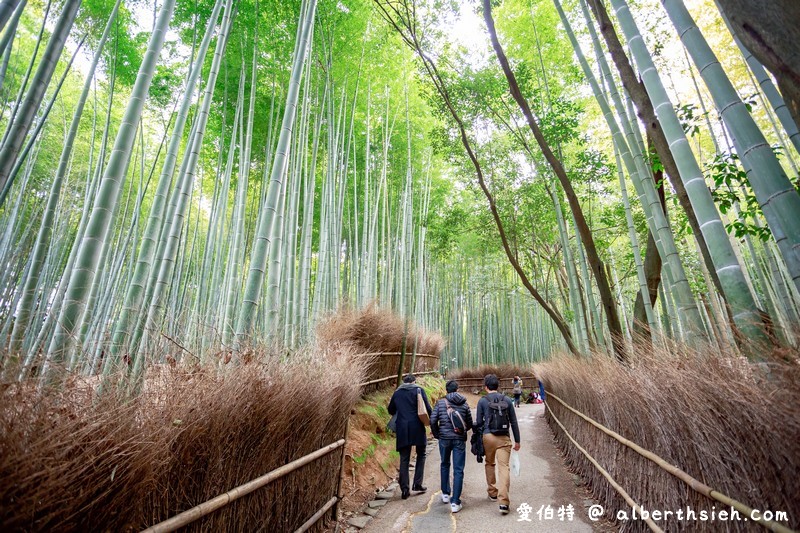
(450, 422)
(410, 431)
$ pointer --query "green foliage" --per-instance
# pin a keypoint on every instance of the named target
(653, 160)
(731, 191)
(690, 118)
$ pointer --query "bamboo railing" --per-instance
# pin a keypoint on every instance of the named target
(208, 507)
(386, 366)
(506, 384)
(693, 483)
(214, 504)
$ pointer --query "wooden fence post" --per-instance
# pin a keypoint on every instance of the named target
(339, 494)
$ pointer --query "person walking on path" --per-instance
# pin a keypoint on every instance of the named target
(450, 422)
(410, 431)
(495, 417)
(517, 390)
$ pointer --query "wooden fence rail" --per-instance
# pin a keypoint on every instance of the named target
(199, 511)
(208, 507)
(505, 383)
(693, 483)
(387, 378)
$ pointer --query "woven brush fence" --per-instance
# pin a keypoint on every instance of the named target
(382, 335)
(501, 371)
(730, 424)
(74, 462)
(378, 330)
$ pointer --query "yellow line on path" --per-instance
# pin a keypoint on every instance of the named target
(427, 509)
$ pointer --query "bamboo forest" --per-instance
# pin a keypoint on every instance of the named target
(211, 210)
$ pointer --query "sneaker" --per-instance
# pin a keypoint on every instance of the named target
(445, 498)
(493, 498)
(504, 509)
(455, 507)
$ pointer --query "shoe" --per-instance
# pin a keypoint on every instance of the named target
(493, 498)
(455, 507)
(504, 509)
(405, 494)
(445, 498)
(419, 488)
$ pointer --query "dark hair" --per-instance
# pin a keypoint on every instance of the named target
(491, 382)
(409, 378)
(451, 386)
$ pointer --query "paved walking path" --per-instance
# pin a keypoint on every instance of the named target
(543, 481)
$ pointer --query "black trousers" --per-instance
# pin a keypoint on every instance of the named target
(419, 468)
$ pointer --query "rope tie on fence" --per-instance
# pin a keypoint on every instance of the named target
(652, 525)
(694, 483)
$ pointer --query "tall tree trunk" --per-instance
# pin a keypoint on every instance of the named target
(647, 116)
(407, 28)
(777, 196)
(604, 288)
(746, 314)
(768, 88)
(652, 271)
(652, 263)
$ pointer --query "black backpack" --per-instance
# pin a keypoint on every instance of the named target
(459, 426)
(498, 420)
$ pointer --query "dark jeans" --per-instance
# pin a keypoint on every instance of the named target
(516, 399)
(419, 468)
(459, 449)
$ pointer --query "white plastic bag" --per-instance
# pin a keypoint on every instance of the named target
(514, 462)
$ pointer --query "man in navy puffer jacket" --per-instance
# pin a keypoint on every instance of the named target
(452, 441)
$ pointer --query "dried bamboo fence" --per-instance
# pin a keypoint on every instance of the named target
(690, 481)
(382, 363)
(506, 384)
(384, 367)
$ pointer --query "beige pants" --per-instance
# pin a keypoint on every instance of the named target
(498, 451)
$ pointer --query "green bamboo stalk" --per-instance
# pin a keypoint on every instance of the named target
(185, 183)
(135, 293)
(43, 238)
(744, 310)
(640, 176)
(258, 257)
(777, 196)
(27, 109)
(82, 276)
